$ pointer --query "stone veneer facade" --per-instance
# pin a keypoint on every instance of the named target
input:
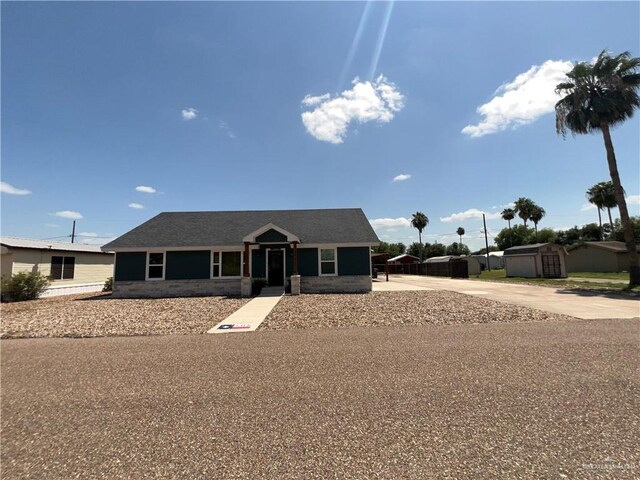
(176, 288)
(232, 287)
(336, 284)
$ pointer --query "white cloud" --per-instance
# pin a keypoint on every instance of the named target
(633, 199)
(385, 223)
(365, 102)
(189, 113)
(87, 234)
(402, 177)
(143, 189)
(469, 214)
(68, 214)
(529, 96)
(587, 206)
(227, 129)
(309, 101)
(135, 205)
(11, 190)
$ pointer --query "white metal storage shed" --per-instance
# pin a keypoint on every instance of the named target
(546, 260)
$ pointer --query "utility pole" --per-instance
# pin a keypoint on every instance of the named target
(486, 241)
(73, 232)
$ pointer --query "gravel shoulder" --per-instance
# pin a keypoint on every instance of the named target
(436, 307)
(89, 315)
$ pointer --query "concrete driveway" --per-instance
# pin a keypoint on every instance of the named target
(492, 401)
(578, 303)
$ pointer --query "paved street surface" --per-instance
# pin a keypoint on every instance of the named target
(525, 400)
(577, 303)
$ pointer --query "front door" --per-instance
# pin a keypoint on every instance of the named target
(275, 268)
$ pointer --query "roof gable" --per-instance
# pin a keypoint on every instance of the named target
(270, 233)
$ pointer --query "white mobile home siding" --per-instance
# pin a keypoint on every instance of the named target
(90, 272)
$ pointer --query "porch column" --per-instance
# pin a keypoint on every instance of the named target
(245, 271)
(245, 282)
(295, 258)
(295, 277)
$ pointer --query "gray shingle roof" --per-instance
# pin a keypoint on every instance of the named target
(204, 229)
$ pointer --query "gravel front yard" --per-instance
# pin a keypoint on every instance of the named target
(99, 316)
(376, 309)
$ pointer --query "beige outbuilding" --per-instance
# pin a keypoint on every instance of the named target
(546, 260)
(72, 267)
(608, 256)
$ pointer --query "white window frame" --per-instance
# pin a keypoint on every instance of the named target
(335, 261)
(163, 265)
(220, 276)
(64, 258)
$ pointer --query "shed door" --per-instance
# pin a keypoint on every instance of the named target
(551, 266)
(459, 269)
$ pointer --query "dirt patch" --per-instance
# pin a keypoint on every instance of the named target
(396, 308)
(89, 315)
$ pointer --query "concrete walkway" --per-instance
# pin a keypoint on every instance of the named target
(249, 317)
(579, 303)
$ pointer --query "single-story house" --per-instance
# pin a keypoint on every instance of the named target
(404, 259)
(496, 261)
(546, 260)
(607, 256)
(72, 267)
(223, 253)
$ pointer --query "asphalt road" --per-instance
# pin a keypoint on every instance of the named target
(575, 302)
(526, 400)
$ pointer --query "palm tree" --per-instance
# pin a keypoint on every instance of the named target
(595, 198)
(536, 215)
(599, 96)
(420, 222)
(460, 233)
(523, 207)
(602, 195)
(509, 214)
(608, 194)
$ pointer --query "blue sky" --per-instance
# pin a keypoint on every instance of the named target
(233, 106)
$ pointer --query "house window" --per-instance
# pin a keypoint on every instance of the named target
(328, 261)
(63, 268)
(155, 266)
(226, 264)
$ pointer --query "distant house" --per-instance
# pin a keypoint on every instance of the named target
(545, 260)
(72, 267)
(223, 253)
(405, 259)
(608, 256)
(496, 261)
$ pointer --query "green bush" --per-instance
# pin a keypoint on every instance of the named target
(108, 285)
(24, 286)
